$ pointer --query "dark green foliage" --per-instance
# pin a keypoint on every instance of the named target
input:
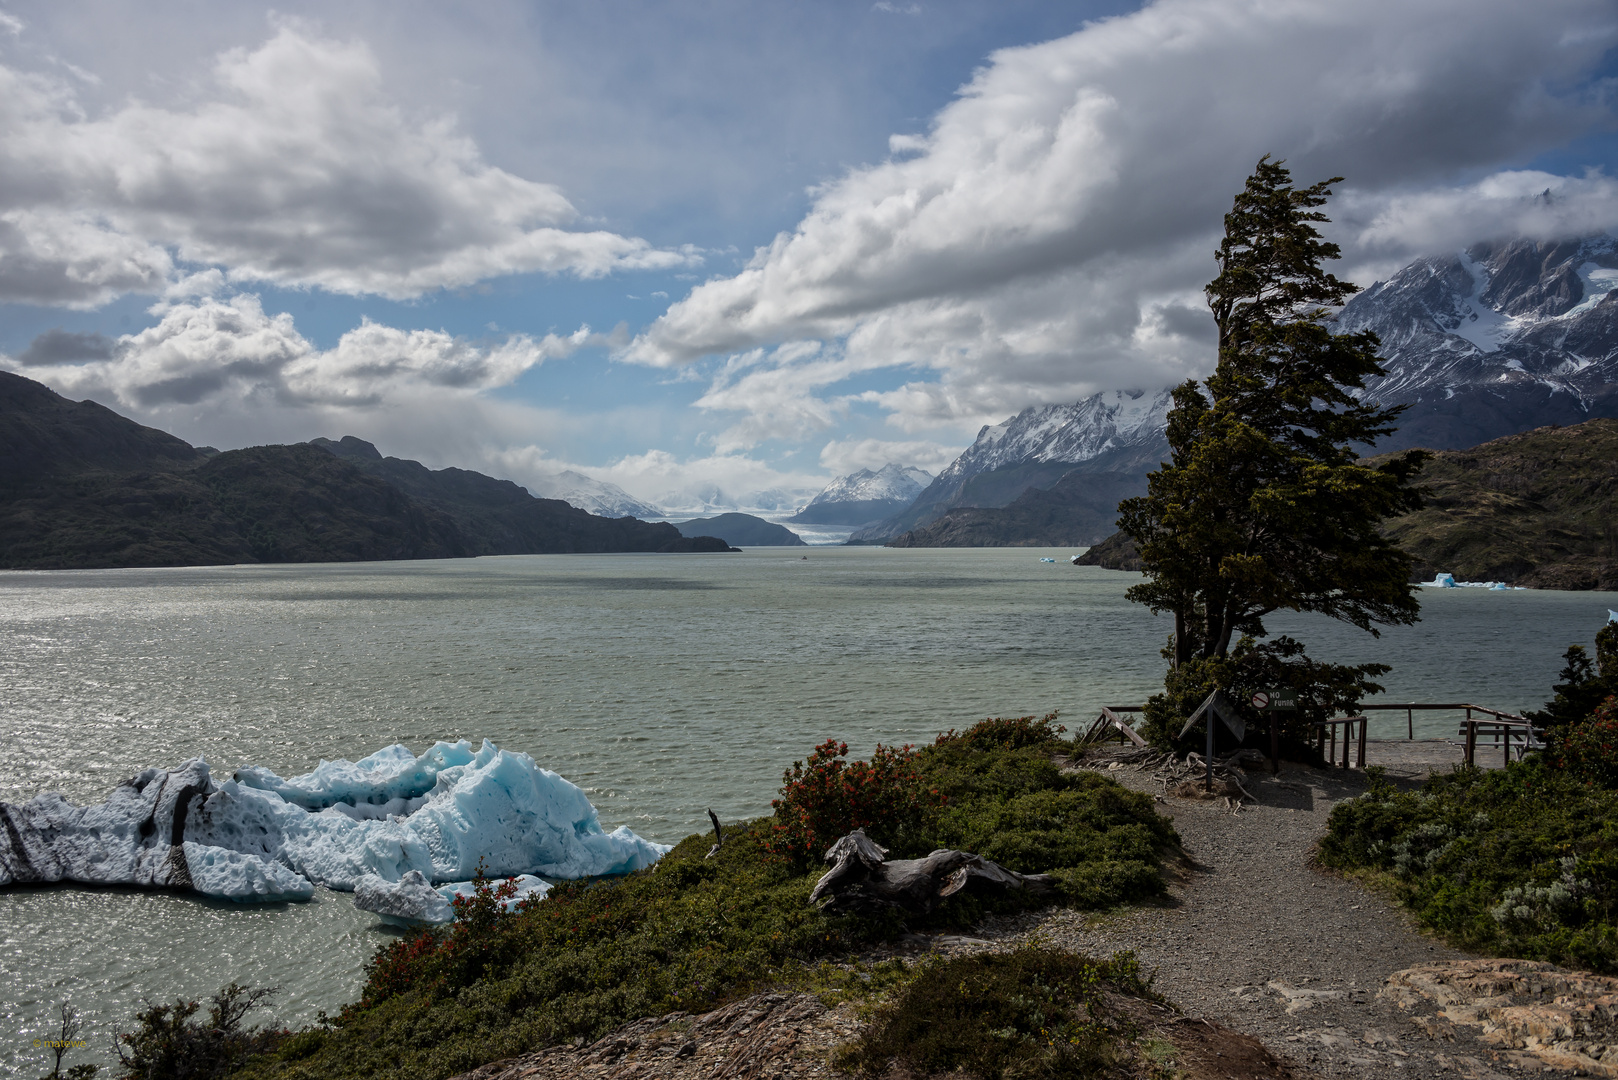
(996, 733)
(694, 932)
(1587, 750)
(1030, 1014)
(1584, 685)
(169, 1045)
(1521, 861)
(1323, 690)
(1264, 504)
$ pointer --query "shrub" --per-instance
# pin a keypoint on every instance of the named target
(1521, 861)
(826, 797)
(169, 1045)
(1587, 750)
(693, 932)
(1031, 1014)
(1322, 690)
(996, 733)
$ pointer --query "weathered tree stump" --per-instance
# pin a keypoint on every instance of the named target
(862, 878)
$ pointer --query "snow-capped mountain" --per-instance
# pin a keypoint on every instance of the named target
(1497, 339)
(864, 496)
(1110, 432)
(587, 493)
(889, 482)
(1101, 424)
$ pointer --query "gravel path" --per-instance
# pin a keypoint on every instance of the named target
(1259, 939)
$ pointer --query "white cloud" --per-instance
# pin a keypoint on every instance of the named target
(851, 455)
(296, 169)
(1526, 203)
(1050, 234)
(708, 484)
(232, 354)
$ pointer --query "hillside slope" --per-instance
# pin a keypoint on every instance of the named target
(1539, 509)
(497, 517)
(82, 487)
(1081, 509)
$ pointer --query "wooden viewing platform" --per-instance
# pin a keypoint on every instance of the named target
(1507, 729)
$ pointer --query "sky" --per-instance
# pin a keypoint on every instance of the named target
(719, 252)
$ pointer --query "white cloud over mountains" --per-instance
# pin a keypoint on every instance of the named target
(1049, 235)
(293, 168)
(232, 354)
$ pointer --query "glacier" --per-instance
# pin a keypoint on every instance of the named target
(386, 827)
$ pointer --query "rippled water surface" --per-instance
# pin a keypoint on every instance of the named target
(661, 684)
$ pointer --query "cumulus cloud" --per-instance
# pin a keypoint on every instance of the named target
(1050, 234)
(231, 352)
(296, 169)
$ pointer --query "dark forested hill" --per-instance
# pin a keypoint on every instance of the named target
(1081, 508)
(1539, 509)
(82, 487)
(499, 518)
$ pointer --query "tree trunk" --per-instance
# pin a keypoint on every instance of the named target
(861, 878)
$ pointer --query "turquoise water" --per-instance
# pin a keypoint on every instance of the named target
(661, 684)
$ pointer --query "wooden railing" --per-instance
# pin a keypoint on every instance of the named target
(1507, 729)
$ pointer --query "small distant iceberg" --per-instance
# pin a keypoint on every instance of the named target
(1447, 581)
(393, 828)
(1046, 558)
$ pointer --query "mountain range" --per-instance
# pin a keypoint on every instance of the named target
(1479, 344)
(865, 496)
(81, 487)
(1103, 446)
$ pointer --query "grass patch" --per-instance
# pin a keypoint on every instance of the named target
(1031, 1014)
(692, 933)
(1520, 861)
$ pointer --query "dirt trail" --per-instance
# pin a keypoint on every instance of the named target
(1259, 939)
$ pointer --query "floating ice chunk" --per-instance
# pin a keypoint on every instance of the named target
(237, 876)
(131, 839)
(1612, 616)
(389, 776)
(440, 816)
(1447, 581)
(407, 902)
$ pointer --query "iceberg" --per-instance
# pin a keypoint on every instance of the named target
(386, 827)
(1447, 581)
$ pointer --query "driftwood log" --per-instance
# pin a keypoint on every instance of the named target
(862, 879)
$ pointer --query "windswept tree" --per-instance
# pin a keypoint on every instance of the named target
(1264, 505)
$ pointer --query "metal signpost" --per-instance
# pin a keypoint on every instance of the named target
(1271, 702)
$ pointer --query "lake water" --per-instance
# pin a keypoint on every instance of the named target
(663, 685)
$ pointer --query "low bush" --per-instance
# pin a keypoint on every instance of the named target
(167, 1044)
(1587, 750)
(1031, 1014)
(693, 932)
(1520, 861)
(826, 797)
(997, 733)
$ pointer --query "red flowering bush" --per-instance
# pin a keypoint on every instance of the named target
(826, 797)
(483, 936)
(1588, 749)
